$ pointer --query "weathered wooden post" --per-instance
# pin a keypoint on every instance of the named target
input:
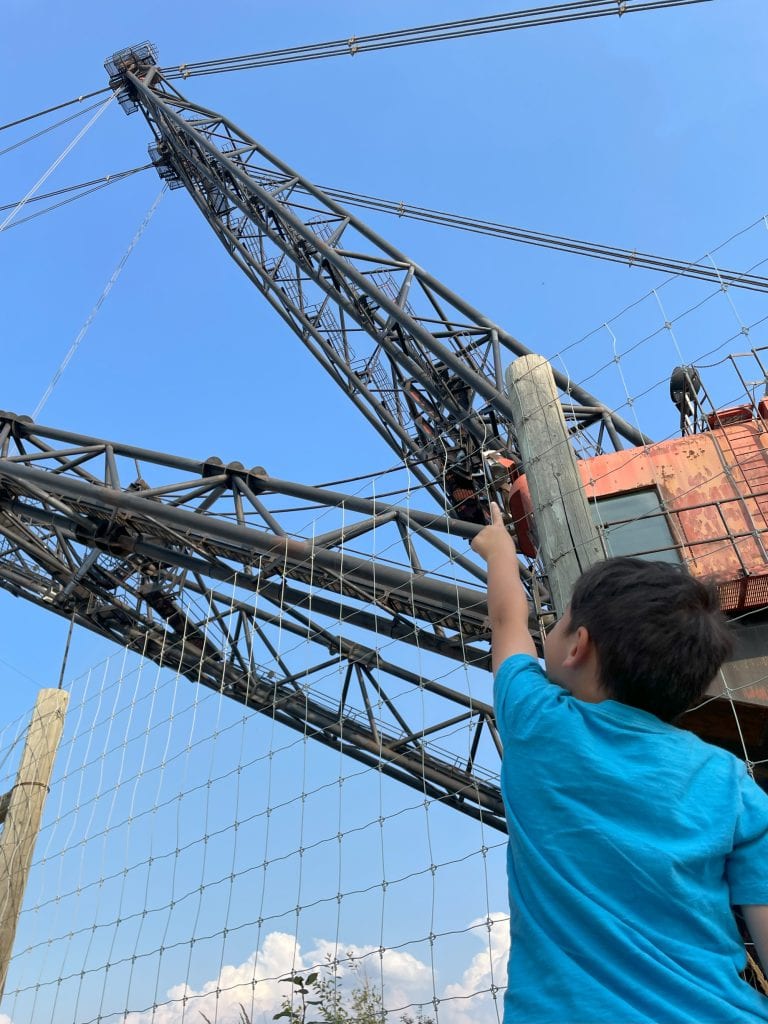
(568, 538)
(21, 810)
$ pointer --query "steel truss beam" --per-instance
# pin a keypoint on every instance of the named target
(422, 365)
(196, 568)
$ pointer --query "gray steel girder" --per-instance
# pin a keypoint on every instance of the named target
(195, 568)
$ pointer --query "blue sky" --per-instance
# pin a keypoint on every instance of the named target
(643, 132)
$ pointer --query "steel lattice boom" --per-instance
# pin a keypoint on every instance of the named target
(423, 366)
(195, 571)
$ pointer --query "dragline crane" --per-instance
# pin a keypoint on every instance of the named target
(427, 371)
(195, 564)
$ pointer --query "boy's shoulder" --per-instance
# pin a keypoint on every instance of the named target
(524, 693)
(707, 785)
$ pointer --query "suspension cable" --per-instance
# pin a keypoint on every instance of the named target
(105, 179)
(561, 243)
(52, 110)
(50, 128)
(65, 152)
(553, 14)
(96, 186)
(612, 254)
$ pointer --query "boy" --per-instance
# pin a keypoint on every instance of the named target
(629, 839)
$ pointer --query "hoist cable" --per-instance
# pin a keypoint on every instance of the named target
(99, 303)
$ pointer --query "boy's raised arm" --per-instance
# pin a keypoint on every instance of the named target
(507, 600)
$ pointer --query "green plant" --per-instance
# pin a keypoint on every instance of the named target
(324, 997)
(244, 1018)
(362, 1005)
(302, 987)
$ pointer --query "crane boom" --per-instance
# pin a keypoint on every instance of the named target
(422, 365)
(194, 571)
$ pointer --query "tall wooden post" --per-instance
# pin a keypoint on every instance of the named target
(568, 539)
(23, 808)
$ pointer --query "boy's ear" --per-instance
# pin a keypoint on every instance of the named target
(579, 648)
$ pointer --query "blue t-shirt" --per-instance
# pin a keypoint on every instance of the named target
(629, 839)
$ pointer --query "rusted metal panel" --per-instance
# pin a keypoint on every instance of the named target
(712, 486)
(713, 490)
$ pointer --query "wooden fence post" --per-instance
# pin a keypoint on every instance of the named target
(568, 539)
(21, 810)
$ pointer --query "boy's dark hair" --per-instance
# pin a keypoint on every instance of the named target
(659, 634)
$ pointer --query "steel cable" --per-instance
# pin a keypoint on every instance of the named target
(51, 110)
(50, 128)
(82, 190)
(553, 14)
(67, 150)
(561, 243)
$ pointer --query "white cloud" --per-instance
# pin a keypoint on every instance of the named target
(471, 998)
(251, 984)
(407, 981)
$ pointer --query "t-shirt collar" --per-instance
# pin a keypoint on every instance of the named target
(628, 715)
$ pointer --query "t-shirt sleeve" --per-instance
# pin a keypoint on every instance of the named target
(747, 866)
(522, 694)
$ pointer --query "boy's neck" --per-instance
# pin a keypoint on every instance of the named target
(588, 689)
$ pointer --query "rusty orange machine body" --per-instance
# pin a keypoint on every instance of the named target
(702, 500)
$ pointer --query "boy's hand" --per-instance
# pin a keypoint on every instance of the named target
(494, 538)
(507, 601)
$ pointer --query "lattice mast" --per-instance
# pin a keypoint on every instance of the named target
(423, 366)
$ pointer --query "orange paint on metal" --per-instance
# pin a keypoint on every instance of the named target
(713, 488)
